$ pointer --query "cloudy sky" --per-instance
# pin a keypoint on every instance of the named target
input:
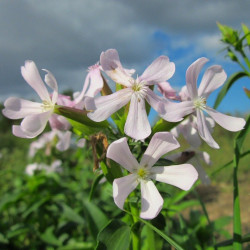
(67, 36)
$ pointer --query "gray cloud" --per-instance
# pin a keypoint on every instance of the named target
(68, 36)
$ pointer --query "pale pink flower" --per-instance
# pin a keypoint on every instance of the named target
(212, 79)
(92, 86)
(136, 91)
(194, 157)
(58, 121)
(54, 167)
(62, 141)
(182, 176)
(167, 91)
(188, 128)
(35, 114)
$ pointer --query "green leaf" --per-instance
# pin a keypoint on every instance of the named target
(159, 232)
(222, 222)
(229, 35)
(79, 116)
(247, 32)
(81, 129)
(17, 230)
(94, 185)
(162, 125)
(95, 217)
(34, 207)
(115, 236)
(3, 239)
(77, 245)
(49, 237)
(71, 215)
(233, 78)
(111, 170)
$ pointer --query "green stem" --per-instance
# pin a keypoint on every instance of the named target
(246, 61)
(237, 244)
(136, 233)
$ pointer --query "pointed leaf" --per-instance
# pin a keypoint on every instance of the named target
(95, 217)
(115, 236)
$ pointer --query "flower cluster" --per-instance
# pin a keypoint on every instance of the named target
(135, 95)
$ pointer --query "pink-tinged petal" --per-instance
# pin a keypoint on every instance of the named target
(167, 91)
(212, 79)
(228, 122)
(81, 143)
(109, 104)
(122, 187)
(34, 125)
(96, 82)
(32, 77)
(201, 172)
(205, 157)
(176, 111)
(160, 144)
(119, 152)
(17, 131)
(17, 108)
(59, 122)
(184, 96)
(52, 83)
(111, 64)
(190, 133)
(137, 125)
(151, 200)
(203, 129)
(160, 70)
(182, 176)
(192, 76)
(64, 140)
(156, 102)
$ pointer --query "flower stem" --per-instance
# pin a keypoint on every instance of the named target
(136, 231)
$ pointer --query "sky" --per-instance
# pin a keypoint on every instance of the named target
(68, 36)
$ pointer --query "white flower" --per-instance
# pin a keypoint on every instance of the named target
(136, 91)
(35, 114)
(182, 176)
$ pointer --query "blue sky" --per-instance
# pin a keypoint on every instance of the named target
(67, 36)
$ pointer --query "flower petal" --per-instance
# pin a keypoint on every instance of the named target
(32, 77)
(202, 173)
(156, 102)
(176, 111)
(34, 125)
(167, 91)
(192, 76)
(17, 108)
(203, 129)
(228, 122)
(17, 131)
(151, 200)
(52, 83)
(96, 81)
(212, 79)
(111, 64)
(160, 70)
(137, 125)
(109, 104)
(182, 176)
(119, 152)
(64, 140)
(190, 133)
(160, 144)
(122, 187)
